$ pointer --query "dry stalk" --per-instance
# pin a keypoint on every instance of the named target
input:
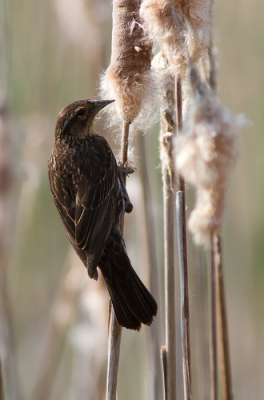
(124, 147)
(154, 334)
(206, 154)
(9, 370)
(201, 329)
(181, 226)
(169, 204)
(208, 215)
(164, 366)
(114, 343)
(167, 130)
(115, 330)
(223, 339)
(214, 320)
(183, 266)
(129, 82)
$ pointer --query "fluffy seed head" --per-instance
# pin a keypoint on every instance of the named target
(206, 153)
(128, 79)
(195, 17)
(167, 116)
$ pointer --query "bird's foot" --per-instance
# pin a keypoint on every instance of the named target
(125, 170)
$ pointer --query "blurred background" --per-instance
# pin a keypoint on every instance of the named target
(54, 319)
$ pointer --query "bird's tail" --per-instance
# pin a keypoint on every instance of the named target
(133, 303)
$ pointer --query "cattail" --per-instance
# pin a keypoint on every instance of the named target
(129, 79)
(165, 82)
(195, 18)
(167, 131)
(206, 153)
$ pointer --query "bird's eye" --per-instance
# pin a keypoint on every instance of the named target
(80, 112)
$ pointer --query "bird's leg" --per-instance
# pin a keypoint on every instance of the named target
(124, 170)
(121, 171)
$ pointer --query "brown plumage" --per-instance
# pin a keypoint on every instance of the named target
(91, 198)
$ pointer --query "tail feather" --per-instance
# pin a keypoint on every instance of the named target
(148, 303)
(123, 314)
(133, 303)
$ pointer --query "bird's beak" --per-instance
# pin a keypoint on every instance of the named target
(98, 105)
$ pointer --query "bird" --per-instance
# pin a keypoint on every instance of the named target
(88, 190)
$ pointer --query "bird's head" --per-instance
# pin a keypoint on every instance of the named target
(77, 118)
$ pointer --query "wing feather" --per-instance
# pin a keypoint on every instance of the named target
(88, 215)
(96, 201)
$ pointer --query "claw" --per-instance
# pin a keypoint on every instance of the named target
(125, 170)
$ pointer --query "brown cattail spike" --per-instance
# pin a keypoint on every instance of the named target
(128, 78)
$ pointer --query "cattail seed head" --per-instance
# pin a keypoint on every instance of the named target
(128, 79)
(195, 17)
(165, 82)
(206, 153)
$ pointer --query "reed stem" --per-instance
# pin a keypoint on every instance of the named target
(225, 364)
(155, 331)
(170, 312)
(213, 321)
(224, 352)
(185, 318)
(183, 264)
(114, 344)
(166, 139)
(115, 330)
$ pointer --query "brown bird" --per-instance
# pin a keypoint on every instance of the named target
(89, 193)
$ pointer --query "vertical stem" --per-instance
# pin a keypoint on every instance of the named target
(213, 320)
(202, 365)
(178, 129)
(114, 343)
(179, 104)
(164, 365)
(185, 334)
(183, 265)
(170, 317)
(154, 334)
(124, 145)
(115, 330)
(225, 365)
(9, 366)
(166, 141)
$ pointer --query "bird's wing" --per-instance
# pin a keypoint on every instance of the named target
(95, 201)
(64, 200)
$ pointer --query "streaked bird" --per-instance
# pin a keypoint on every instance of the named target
(89, 193)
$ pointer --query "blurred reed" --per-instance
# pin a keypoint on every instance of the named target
(63, 76)
(9, 182)
(167, 132)
(154, 337)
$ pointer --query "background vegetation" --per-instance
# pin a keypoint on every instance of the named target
(50, 56)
